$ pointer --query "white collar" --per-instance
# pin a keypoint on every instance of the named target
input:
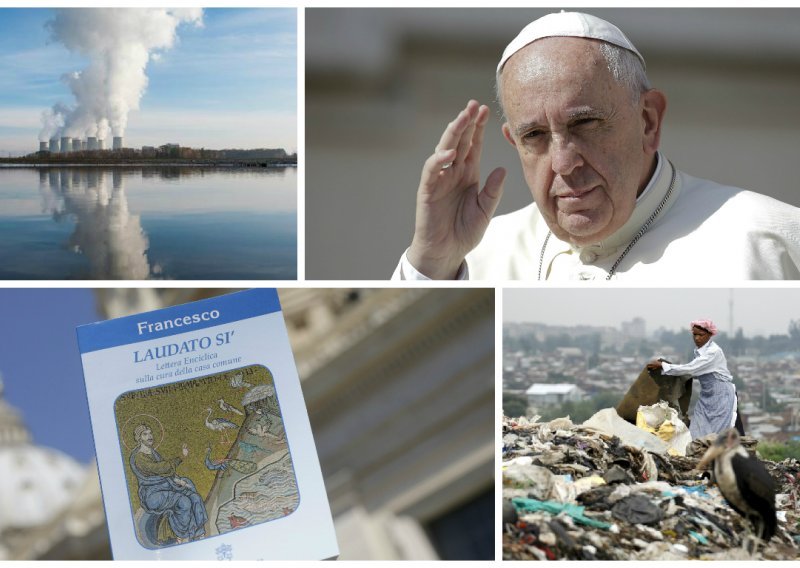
(646, 203)
(704, 348)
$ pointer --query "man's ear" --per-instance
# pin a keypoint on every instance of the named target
(507, 134)
(654, 105)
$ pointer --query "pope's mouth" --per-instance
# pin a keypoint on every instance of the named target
(574, 201)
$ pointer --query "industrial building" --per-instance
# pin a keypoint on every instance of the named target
(65, 144)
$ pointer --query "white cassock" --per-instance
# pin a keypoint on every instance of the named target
(704, 232)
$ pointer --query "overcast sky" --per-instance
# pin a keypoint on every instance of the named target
(758, 311)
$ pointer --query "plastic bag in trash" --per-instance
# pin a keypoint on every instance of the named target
(637, 509)
(663, 421)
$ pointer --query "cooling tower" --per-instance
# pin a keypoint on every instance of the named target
(54, 145)
(101, 144)
(91, 143)
(66, 145)
(76, 145)
(117, 143)
(43, 146)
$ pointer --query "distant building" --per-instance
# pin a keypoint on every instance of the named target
(543, 394)
(635, 328)
(148, 151)
(169, 151)
(570, 353)
(187, 153)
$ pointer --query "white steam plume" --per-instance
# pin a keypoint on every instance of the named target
(119, 42)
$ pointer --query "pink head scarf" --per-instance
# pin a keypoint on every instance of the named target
(707, 325)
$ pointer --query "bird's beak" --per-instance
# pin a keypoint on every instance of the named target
(711, 454)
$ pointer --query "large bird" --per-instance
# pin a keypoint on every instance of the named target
(219, 424)
(744, 482)
(228, 408)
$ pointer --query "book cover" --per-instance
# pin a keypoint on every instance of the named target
(203, 442)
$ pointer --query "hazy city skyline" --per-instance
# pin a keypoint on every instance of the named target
(758, 311)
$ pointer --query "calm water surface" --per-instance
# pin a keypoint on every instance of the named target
(151, 222)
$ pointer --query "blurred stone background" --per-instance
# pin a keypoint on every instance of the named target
(381, 84)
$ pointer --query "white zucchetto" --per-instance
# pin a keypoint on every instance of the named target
(568, 24)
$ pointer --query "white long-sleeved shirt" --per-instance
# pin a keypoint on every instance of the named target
(708, 360)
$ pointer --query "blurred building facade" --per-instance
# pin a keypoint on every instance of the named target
(399, 386)
(400, 391)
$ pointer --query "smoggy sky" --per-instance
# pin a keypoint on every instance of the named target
(228, 83)
(758, 311)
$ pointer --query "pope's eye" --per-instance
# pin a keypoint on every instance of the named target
(584, 121)
(533, 134)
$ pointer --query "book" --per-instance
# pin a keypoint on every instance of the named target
(203, 442)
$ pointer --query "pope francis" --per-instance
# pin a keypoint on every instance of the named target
(607, 205)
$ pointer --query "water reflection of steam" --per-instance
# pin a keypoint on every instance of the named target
(106, 232)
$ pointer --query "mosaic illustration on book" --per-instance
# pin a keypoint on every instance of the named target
(205, 456)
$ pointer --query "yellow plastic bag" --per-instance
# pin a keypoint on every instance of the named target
(662, 420)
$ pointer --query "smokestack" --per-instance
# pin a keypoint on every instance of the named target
(91, 143)
(54, 145)
(117, 143)
(118, 45)
(65, 144)
(43, 146)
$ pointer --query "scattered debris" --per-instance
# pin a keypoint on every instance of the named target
(599, 491)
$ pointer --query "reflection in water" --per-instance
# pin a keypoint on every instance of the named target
(106, 232)
(134, 223)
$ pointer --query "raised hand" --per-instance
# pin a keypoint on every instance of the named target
(452, 211)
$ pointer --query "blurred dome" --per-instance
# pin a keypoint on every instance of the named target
(36, 482)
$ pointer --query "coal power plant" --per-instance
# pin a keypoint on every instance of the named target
(66, 145)
(117, 46)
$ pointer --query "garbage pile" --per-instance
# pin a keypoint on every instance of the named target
(601, 491)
